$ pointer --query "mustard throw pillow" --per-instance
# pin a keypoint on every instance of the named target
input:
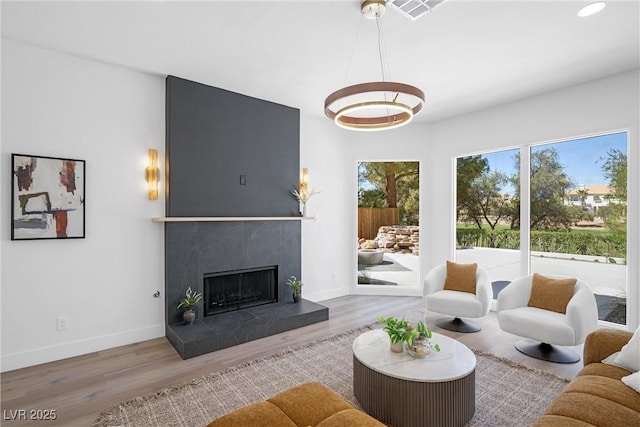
(461, 277)
(551, 294)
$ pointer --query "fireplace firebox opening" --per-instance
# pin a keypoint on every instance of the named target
(238, 289)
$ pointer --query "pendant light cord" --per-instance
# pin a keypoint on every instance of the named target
(380, 55)
(353, 53)
(380, 48)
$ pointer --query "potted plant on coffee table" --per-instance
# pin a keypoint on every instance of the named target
(418, 341)
(296, 287)
(189, 302)
(397, 329)
(403, 335)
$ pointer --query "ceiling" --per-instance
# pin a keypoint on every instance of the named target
(465, 54)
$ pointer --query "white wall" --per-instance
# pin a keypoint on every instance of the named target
(62, 106)
(327, 241)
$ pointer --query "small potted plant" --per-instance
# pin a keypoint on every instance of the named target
(397, 330)
(418, 341)
(189, 302)
(296, 287)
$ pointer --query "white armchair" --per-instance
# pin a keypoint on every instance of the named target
(456, 303)
(547, 328)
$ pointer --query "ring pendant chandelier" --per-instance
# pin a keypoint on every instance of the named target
(375, 105)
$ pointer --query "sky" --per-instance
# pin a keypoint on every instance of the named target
(582, 158)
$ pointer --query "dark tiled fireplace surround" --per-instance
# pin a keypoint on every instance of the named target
(194, 250)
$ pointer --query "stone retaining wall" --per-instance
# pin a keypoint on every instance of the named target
(395, 239)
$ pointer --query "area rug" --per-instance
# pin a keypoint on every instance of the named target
(507, 394)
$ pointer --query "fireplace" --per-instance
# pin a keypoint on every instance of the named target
(206, 251)
(238, 289)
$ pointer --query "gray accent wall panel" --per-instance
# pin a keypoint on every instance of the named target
(215, 137)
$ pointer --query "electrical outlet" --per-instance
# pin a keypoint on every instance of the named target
(62, 323)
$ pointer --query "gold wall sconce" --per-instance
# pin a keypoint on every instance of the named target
(304, 179)
(153, 174)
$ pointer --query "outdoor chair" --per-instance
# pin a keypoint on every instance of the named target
(459, 290)
(551, 311)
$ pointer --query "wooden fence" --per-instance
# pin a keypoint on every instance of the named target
(370, 220)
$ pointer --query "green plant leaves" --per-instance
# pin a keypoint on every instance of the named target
(402, 330)
(294, 284)
(190, 300)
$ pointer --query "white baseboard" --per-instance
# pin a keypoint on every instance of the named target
(386, 290)
(10, 362)
(325, 295)
(368, 290)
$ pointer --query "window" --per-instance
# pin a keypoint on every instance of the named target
(576, 216)
(388, 224)
(585, 240)
(485, 205)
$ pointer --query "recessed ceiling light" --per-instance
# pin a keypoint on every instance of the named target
(591, 9)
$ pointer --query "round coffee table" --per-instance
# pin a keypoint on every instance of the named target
(399, 390)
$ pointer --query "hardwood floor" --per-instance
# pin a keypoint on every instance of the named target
(79, 388)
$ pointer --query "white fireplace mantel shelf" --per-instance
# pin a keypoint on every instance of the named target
(232, 218)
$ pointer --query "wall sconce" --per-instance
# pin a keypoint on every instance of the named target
(304, 179)
(153, 174)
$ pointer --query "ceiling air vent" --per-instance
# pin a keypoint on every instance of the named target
(414, 9)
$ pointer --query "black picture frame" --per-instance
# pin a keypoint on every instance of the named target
(47, 197)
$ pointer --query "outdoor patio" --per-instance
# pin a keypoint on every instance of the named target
(606, 278)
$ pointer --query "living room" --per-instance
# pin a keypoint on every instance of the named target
(60, 98)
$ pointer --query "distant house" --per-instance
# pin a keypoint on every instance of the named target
(591, 197)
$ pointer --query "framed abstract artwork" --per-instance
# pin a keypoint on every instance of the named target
(47, 198)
